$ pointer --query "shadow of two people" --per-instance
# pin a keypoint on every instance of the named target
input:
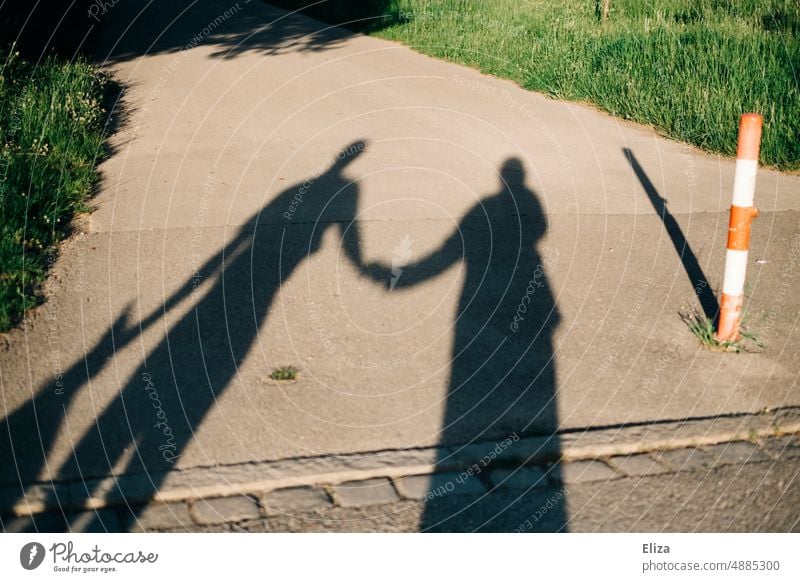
(502, 380)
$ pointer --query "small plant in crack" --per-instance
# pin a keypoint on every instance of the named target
(285, 373)
(703, 329)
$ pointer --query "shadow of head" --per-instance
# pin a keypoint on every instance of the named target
(512, 172)
(516, 198)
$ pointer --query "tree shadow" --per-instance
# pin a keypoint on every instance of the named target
(231, 29)
(234, 28)
(502, 383)
(158, 410)
(61, 28)
(69, 28)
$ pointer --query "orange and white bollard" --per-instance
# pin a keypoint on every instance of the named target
(742, 215)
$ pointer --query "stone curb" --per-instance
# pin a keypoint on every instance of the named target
(299, 485)
(229, 511)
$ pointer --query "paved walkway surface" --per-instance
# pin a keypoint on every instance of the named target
(445, 257)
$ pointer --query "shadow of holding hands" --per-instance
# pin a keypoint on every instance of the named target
(502, 385)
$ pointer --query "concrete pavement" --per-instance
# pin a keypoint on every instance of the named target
(273, 179)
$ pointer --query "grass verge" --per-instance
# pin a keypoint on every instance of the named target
(687, 67)
(52, 132)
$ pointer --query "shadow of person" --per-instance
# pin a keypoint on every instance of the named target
(502, 382)
(155, 415)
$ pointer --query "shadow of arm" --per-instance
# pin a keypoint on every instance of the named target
(402, 274)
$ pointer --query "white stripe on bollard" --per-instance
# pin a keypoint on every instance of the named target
(744, 182)
(735, 270)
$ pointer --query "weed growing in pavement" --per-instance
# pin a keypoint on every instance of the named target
(285, 373)
(703, 329)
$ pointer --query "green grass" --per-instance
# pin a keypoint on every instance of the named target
(285, 373)
(703, 329)
(51, 134)
(687, 67)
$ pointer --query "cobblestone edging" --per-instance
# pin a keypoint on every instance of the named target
(227, 495)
